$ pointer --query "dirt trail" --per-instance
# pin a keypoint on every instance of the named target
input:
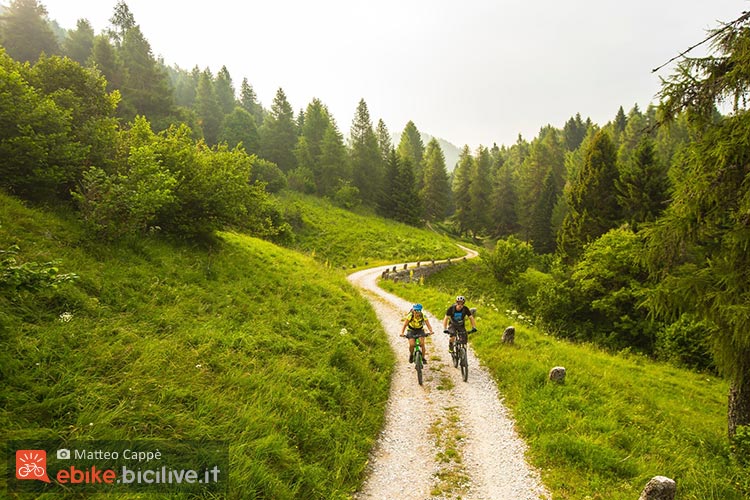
(447, 438)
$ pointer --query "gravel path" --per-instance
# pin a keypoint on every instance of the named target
(447, 438)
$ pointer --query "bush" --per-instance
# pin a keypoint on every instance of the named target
(686, 343)
(510, 258)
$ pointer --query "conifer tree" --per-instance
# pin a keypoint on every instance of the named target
(410, 147)
(593, 204)
(249, 101)
(698, 249)
(25, 31)
(107, 60)
(460, 187)
(80, 42)
(384, 141)
(643, 186)
(436, 192)
(540, 231)
(238, 127)
(504, 202)
(207, 108)
(278, 135)
(366, 161)
(480, 192)
(225, 93)
(333, 162)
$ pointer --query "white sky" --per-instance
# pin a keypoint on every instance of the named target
(468, 71)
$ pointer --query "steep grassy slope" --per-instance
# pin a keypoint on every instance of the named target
(616, 422)
(346, 239)
(245, 342)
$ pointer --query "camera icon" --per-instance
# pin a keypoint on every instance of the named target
(63, 454)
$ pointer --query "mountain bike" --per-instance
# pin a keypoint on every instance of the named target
(418, 356)
(459, 351)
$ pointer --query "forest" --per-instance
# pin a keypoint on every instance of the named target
(632, 235)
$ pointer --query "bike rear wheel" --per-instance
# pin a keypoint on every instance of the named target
(418, 365)
(464, 364)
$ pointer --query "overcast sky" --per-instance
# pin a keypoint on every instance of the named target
(468, 71)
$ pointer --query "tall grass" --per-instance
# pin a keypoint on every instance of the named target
(245, 342)
(346, 239)
(617, 421)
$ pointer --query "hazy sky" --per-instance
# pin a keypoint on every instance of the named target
(468, 71)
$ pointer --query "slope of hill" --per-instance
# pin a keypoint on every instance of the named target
(245, 342)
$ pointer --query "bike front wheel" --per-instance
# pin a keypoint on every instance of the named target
(464, 365)
(418, 365)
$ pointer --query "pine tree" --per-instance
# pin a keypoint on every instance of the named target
(249, 101)
(384, 141)
(411, 148)
(505, 202)
(278, 135)
(25, 32)
(366, 161)
(121, 22)
(436, 193)
(593, 204)
(643, 187)
(460, 188)
(698, 249)
(207, 108)
(333, 162)
(107, 60)
(80, 43)
(540, 231)
(225, 93)
(480, 192)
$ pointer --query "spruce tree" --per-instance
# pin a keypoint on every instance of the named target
(249, 101)
(225, 93)
(593, 204)
(436, 192)
(366, 161)
(480, 192)
(278, 135)
(411, 148)
(207, 108)
(25, 31)
(80, 42)
(460, 188)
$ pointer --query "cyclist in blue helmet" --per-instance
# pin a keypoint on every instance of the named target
(415, 322)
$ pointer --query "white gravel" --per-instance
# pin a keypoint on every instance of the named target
(409, 459)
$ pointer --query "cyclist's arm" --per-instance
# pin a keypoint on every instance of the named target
(427, 322)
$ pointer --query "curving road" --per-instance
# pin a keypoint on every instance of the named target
(448, 438)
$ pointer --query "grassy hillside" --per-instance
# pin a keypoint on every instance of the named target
(346, 239)
(245, 342)
(616, 422)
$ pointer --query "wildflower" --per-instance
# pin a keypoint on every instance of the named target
(65, 317)
(343, 331)
(198, 365)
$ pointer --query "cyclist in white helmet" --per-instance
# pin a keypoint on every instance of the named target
(456, 315)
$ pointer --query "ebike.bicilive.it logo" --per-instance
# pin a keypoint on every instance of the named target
(31, 464)
(108, 465)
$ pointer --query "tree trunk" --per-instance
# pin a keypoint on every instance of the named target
(739, 403)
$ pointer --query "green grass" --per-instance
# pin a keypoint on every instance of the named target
(349, 240)
(245, 342)
(616, 422)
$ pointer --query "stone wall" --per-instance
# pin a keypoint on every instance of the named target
(405, 273)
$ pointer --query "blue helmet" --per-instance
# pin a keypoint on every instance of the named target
(417, 307)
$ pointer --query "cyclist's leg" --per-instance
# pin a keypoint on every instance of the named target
(412, 343)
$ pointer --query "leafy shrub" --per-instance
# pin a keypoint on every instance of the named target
(347, 196)
(28, 276)
(686, 343)
(269, 174)
(510, 258)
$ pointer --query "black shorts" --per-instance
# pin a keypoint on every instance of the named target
(412, 334)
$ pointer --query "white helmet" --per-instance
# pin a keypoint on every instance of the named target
(460, 298)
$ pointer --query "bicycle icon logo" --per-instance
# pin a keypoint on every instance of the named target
(31, 464)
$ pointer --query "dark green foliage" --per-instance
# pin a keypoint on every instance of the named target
(80, 42)
(25, 33)
(239, 127)
(411, 148)
(592, 198)
(38, 156)
(436, 192)
(368, 166)
(643, 186)
(460, 188)
(573, 132)
(687, 343)
(278, 135)
(249, 101)
(480, 192)
(510, 258)
(268, 174)
(540, 230)
(400, 200)
(225, 91)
